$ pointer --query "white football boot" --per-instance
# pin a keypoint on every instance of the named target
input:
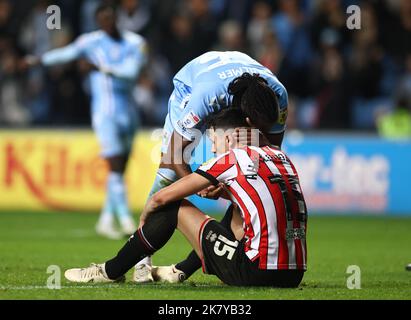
(168, 274)
(95, 273)
(142, 273)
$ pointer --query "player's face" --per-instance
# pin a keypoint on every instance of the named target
(107, 20)
(219, 140)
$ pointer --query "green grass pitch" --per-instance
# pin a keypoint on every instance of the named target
(31, 241)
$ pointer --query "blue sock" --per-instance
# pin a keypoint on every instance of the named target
(107, 213)
(108, 205)
(118, 195)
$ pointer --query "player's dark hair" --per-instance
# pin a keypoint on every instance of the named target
(256, 99)
(227, 119)
(103, 7)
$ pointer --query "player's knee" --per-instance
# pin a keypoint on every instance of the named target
(160, 225)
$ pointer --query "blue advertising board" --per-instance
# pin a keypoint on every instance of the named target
(342, 174)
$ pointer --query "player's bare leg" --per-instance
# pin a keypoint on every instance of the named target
(190, 222)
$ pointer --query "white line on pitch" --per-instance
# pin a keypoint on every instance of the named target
(62, 287)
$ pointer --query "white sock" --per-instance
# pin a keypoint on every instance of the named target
(106, 218)
(146, 260)
(125, 220)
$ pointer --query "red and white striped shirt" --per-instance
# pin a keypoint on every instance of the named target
(264, 183)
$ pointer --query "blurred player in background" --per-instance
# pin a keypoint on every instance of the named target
(202, 88)
(114, 59)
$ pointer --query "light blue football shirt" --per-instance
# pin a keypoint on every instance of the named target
(201, 90)
(114, 116)
(119, 61)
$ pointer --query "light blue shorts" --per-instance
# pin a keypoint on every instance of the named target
(115, 132)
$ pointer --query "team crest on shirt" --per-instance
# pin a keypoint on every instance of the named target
(211, 236)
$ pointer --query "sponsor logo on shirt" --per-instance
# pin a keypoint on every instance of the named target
(190, 120)
(283, 117)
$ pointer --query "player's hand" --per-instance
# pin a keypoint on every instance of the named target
(212, 192)
(149, 208)
(143, 218)
(225, 193)
(243, 136)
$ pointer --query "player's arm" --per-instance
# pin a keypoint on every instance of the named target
(180, 149)
(180, 189)
(130, 67)
(213, 172)
(186, 134)
(177, 154)
(58, 56)
(61, 55)
(53, 57)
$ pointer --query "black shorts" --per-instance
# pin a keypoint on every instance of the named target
(224, 256)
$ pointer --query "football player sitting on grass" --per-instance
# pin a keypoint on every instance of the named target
(261, 243)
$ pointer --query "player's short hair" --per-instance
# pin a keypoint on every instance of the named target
(103, 7)
(229, 118)
(256, 99)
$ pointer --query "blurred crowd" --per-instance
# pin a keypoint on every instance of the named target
(337, 79)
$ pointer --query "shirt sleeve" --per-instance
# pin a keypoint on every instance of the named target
(204, 101)
(65, 54)
(220, 169)
(131, 66)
